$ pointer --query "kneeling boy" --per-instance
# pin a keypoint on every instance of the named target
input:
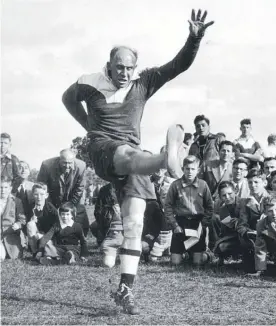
(12, 220)
(251, 211)
(44, 215)
(188, 209)
(266, 236)
(227, 212)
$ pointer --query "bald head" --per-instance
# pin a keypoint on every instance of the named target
(67, 159)
(122, 65)
(123, 49)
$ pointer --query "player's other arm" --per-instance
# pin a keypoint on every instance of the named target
(157, 77)
(72, 102)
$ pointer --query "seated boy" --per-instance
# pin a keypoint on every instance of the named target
(188, 209)
(107, 227)
(156, 236)
(227, 213)
(42, 217)
(65, 241)
(251, 210)
(266, 236)
(12, 220)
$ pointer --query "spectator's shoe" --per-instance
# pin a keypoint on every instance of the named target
(124, 297)
(46, 261)
(175, 138)
(111, 243)
(114, 237)
(167, 252)
(162, 243)
(147, 243)
(256, 274)
(219, 261)
(69, 257)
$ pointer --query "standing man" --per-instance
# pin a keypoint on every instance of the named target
(206, 144)
(115, 100)
(219, 170)
(247, 147)
(9, 162)
(64, 177)
(270, 149)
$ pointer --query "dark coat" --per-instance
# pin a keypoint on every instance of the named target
(61, 190)
(211, 150)
(47, 219)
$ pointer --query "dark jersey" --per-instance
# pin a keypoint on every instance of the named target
(116, 113)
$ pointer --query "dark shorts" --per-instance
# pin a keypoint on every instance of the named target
(101, 153)
(177, 244)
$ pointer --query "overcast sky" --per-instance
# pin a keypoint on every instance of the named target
(48, 44)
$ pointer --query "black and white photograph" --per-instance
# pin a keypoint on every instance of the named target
(138, 162)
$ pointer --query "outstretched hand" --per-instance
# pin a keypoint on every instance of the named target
(197, 25)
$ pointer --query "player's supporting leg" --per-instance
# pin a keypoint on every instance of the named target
(128, 160)
(132, 210)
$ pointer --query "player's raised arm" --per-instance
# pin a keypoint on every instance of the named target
(157, 77)
(72, 102)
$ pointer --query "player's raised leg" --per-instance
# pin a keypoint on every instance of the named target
(129, 160)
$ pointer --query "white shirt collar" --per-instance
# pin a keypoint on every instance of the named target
(38, 208)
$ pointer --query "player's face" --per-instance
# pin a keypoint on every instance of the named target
(271, 213)
(24, 170)
(122, 68)
(40, 195)
(202, 128)
(5, 145)
(269, 166)
(190, 171)
(246, 130)
(66, 217)
(227, 195)
(5, 189)
(226, 153)
(239, 171)
(256, 185)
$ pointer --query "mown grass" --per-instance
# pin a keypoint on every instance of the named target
(33, 294)
(79, 295)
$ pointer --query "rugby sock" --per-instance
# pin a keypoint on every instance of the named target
(131, 248)
(127, 279)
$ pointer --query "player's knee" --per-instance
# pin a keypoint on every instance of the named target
(123, 159)
(133, 226)
(176, 259)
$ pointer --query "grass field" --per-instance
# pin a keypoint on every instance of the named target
(79, 295)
